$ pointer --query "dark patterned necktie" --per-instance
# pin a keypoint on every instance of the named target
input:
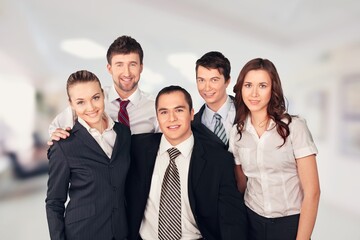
(170, 201)
(219, 129)
(123, 116)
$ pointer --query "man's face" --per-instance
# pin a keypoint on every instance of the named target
(174, 117)
(125, 70)
(212, 86)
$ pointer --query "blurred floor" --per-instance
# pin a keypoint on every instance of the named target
(22, 210)
(22, 214)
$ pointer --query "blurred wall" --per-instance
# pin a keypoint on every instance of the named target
(322, 86)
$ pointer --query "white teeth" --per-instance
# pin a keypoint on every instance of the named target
(92, 114)
(209, 94)
(173, 127)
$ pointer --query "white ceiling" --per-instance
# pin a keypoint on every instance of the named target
(173, 34)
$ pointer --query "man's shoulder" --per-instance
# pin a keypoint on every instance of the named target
(146, 96)
(144, 143)
(210, 147)
(145, 137)
(197, 116)
(122, 128)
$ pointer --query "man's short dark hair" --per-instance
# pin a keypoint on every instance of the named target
(215, 60)
(124, 45)
(171, 89)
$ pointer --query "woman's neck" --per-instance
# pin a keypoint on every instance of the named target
(101, 125)
(260, 122)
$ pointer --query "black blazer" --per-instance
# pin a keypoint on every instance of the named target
(95, 183)
(216, 204)
(204, 133)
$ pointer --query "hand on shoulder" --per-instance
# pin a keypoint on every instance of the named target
(58, 134)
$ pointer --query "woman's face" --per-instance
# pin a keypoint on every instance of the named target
(256, 90)
(87, 100)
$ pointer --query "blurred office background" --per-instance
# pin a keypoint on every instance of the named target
(314, 44)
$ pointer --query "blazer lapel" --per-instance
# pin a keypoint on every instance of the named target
(203, 130)
(118, 142)
(197, 164)
(150, 157)
(89, 141)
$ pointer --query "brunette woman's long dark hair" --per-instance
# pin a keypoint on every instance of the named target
(276, 108)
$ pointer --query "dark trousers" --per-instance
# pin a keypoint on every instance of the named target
(282, 228)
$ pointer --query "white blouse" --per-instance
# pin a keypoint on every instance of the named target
(273, 187)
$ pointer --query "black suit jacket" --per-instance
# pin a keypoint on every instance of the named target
(205, 133)
(95, 183)
(216, 204)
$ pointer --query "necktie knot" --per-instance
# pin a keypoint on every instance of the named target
(217, 117)
(123, 103)
(173, 153)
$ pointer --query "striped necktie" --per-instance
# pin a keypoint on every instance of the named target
(170, 201)
(219, 129)
(123, 116)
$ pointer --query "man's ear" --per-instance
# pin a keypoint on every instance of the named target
(227, 82)
(108, 66)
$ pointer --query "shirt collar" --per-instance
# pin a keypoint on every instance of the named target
(248, 124)
(185, 147)
(90, 129)
(134, 98)
(223, 111)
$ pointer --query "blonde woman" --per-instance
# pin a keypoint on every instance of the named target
(89, 167)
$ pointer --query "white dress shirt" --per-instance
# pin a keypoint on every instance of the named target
(273, 187)
(227, 113)
(106, 140)
(141, 110)
(150, 222)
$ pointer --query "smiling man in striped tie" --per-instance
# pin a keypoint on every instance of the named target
(178, 186)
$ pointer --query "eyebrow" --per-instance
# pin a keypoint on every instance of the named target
(132, 61)
(177, 107)
(77, 99)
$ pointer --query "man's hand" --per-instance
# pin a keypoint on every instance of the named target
(58, 134)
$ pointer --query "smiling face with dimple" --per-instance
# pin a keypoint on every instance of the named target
(87, 100)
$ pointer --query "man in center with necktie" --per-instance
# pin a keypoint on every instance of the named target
(179, 186)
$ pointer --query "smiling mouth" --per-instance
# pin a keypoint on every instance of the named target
(209, 94)
(92, 114)
(126, 79)
(173, 127)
